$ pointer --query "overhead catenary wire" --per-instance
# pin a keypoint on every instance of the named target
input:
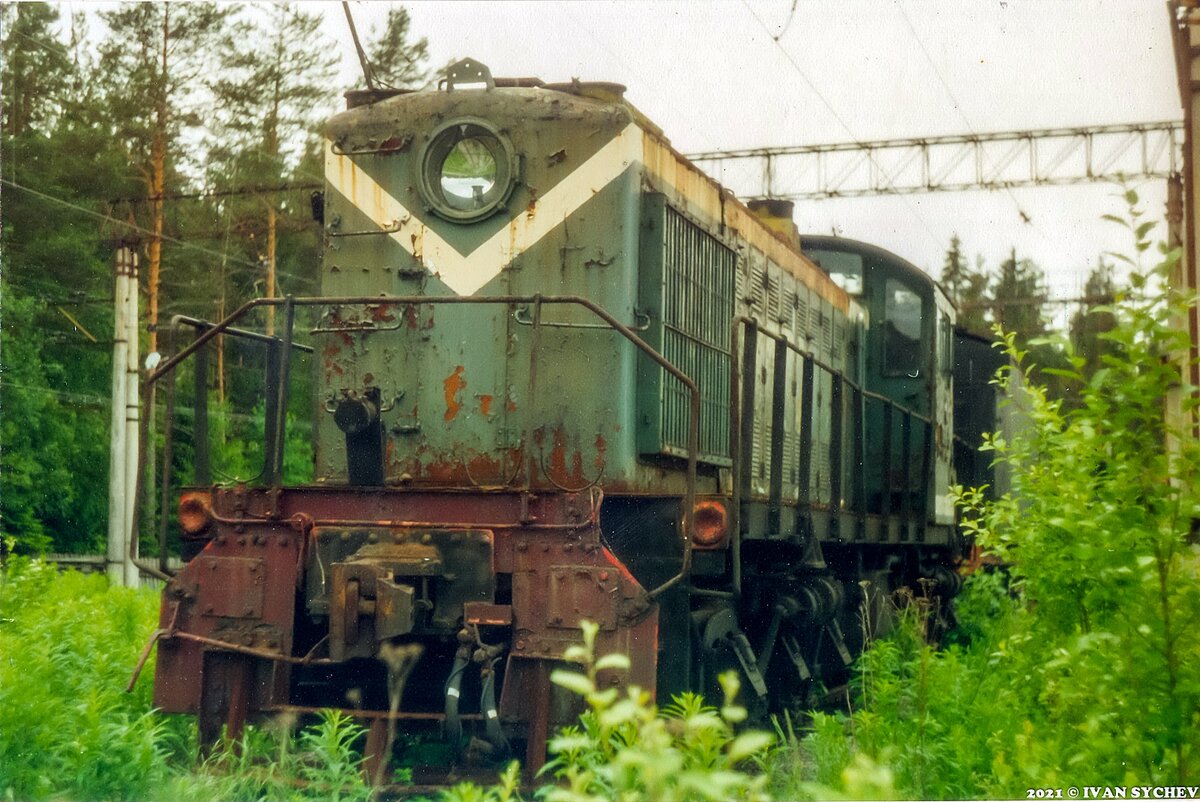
(1025, 218)
(220, 193)
(838, 117)
(124, 224)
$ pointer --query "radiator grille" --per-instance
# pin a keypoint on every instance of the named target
(691, 277)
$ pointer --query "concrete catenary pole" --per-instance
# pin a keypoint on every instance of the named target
(117, 529)
(132, 422)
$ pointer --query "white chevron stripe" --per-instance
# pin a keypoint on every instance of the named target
(467, 273)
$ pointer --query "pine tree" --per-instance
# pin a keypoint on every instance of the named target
(966, 287)
(269, 100)
(58, 160)
(152, 64)
(36, 64)
(395, 61)
(1017, 297)
(1094, 318)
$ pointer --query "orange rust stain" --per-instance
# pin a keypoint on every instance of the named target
(485, 404)
(510, 405)
(558, 454)
(382, 314)
(453, 386)
(601, 448)
(410, 316)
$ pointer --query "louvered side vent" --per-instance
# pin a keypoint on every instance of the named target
(758, 279)
(687, 283)
(827, 333)
(775, 296)
(800, 315)
(786, 307)
(835, 353)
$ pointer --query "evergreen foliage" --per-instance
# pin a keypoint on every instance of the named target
(396, 61)
(102, 130)
(966, 286)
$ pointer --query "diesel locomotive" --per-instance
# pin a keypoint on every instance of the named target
(562, 375)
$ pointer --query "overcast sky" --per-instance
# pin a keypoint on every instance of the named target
(712, 75)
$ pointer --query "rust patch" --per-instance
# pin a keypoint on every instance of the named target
(558, 454)
(485, 405)
(453, 386)
(368, 378)
(510, 405)
(411, 318)
(382, 314)
(531, 208)
(601, 448)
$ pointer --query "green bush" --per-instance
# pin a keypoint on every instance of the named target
(1081, 663)
(67, 646)
(68, 729)
(625, 749)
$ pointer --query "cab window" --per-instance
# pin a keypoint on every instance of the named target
(902, 313)
(846, 269)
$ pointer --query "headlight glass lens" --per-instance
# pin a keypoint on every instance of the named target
(467, 170)
(468, 173)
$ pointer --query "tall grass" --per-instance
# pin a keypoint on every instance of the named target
(67, 645)
(68, 729)
(1082, 665)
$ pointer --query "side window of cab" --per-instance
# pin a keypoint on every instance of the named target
(903, 314)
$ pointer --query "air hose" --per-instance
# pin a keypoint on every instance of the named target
(453, 723)
(487, 704)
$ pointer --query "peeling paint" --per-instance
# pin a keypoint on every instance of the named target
(453, 386)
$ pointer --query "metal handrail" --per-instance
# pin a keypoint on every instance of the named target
(735, 410)
(225, 326)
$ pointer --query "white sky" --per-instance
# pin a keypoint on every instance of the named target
(713, 78)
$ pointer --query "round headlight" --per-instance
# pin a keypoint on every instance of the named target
(467, 170)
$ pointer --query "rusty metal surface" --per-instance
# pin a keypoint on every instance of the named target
(240, 591)
(263, 544)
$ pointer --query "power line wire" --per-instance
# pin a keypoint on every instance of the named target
(140, 230)
(1025, 218)
(219, 193)
(841, 121)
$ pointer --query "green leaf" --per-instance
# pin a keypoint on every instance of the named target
(615, 661)
(572, 681)
(749, 743)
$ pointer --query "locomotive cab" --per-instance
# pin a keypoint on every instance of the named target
(910, 362)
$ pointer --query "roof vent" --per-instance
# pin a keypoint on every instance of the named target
(776, 214)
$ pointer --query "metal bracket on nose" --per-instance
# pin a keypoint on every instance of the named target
(391, 228)
(468, 72)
